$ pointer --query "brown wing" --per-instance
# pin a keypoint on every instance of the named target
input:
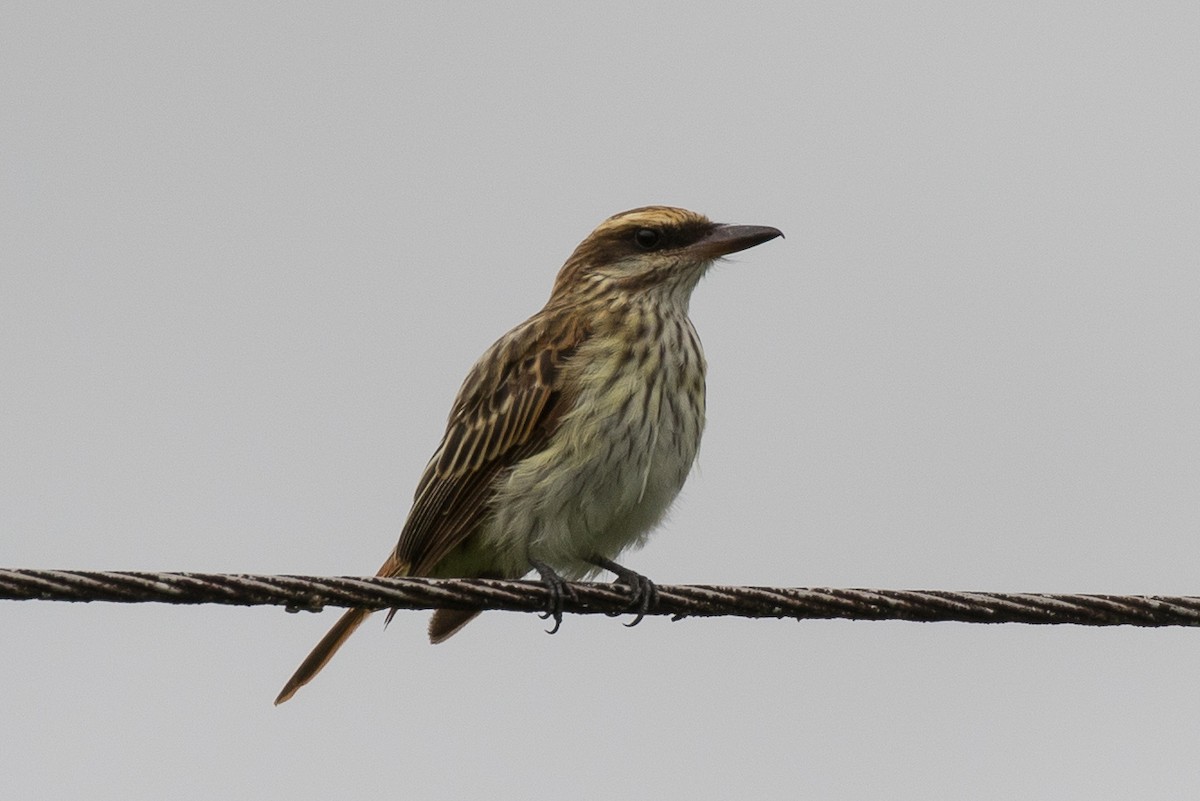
(506, 410)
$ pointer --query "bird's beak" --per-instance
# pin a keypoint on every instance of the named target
(725, 239)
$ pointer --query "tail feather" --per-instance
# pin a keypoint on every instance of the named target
(324, 651)
(332, 641)
(446, 622)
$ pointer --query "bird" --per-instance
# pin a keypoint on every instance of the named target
(572, 435)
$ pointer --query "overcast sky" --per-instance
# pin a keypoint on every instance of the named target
(247, 254)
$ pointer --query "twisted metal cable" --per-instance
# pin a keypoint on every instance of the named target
(316, 592)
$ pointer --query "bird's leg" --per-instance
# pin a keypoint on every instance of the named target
(643, 592)
(557, 587)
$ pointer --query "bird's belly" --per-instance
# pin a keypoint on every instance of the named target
(612, 471)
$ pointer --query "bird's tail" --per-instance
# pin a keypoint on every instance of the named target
(332, 641)
(447, 622)
(324, 651)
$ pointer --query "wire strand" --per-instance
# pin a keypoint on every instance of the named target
(313, 593)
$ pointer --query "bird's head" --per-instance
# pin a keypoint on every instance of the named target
(652, 249)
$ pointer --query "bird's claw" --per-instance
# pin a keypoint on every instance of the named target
(643, 593)
(557, 588)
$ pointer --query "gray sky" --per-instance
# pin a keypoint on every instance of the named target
(248, 255)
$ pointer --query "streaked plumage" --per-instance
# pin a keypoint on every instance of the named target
(574, 432)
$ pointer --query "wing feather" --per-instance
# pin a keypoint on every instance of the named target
(507, 409)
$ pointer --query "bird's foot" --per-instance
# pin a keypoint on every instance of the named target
(558, 589)
(643, 593)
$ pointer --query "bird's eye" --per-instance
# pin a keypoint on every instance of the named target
(647, 238)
